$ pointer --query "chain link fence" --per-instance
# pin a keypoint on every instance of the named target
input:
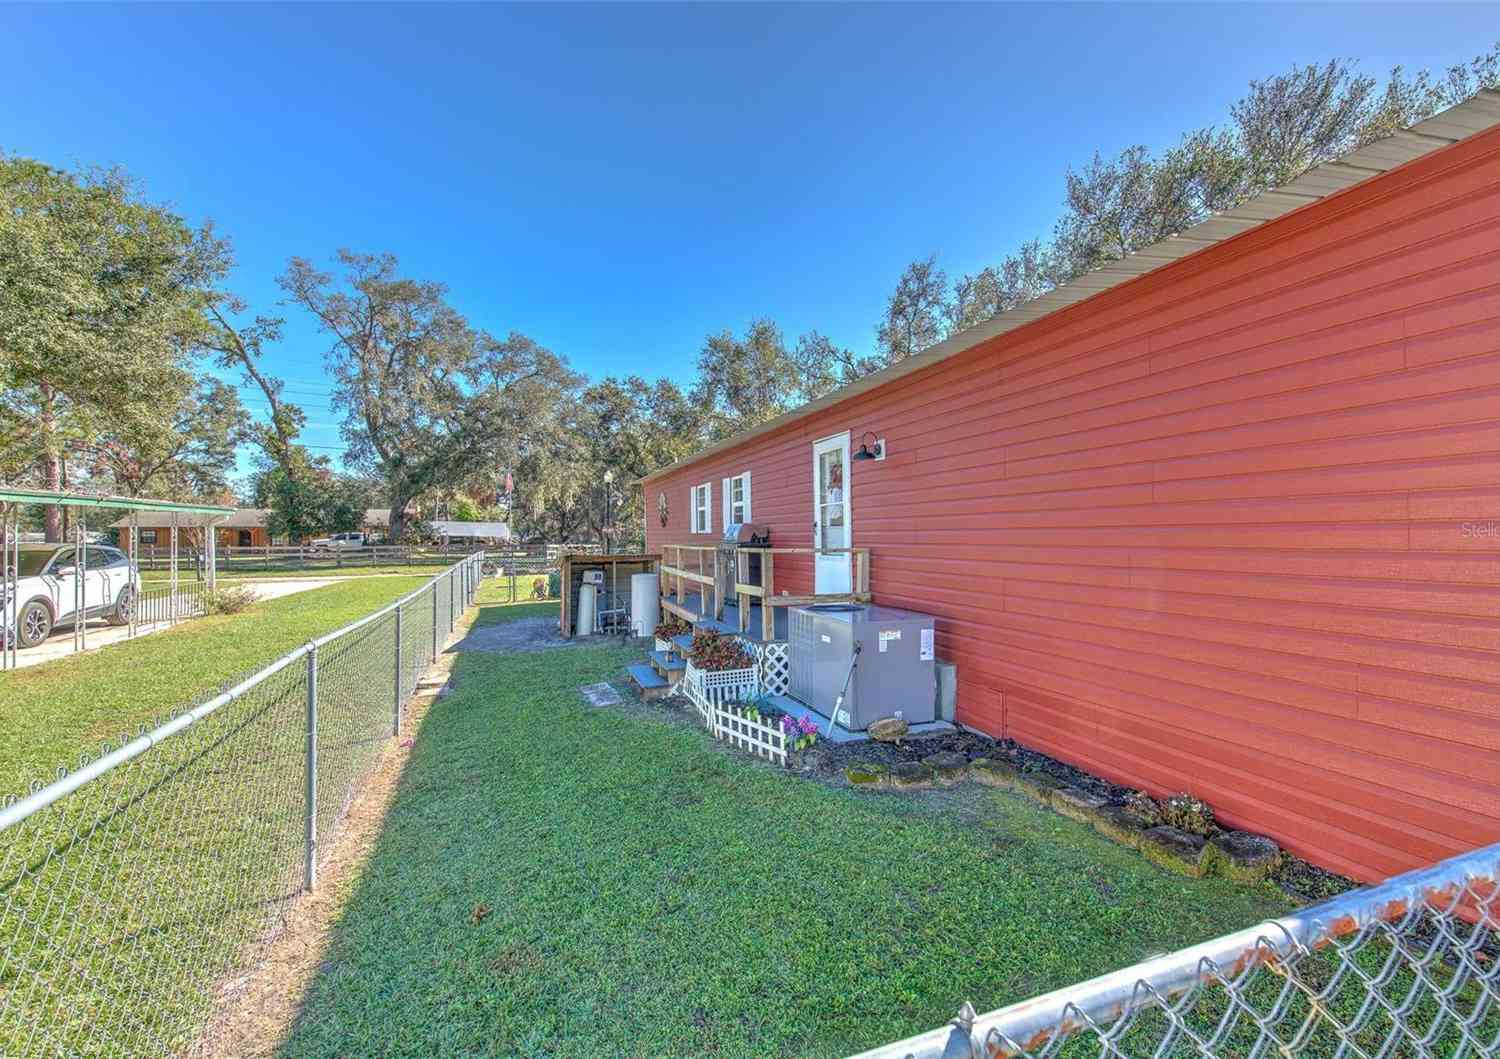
(132, 886)
(1407, 968)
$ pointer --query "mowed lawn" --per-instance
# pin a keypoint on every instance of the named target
(52, 713)
(555, 880)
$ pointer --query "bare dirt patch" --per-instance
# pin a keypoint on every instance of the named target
(521, 634)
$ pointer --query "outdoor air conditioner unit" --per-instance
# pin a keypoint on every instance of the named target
(894, 675)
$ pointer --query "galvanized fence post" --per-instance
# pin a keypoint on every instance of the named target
(310, 868)
(434, 621)
(397, 725)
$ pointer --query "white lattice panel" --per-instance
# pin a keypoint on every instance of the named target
(762, 740)
(775, 667)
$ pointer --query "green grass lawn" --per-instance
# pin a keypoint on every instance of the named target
(52, 713)
(648, 894)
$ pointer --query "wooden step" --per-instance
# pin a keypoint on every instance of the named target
(651, 684)
(683, 643)
(670, 665)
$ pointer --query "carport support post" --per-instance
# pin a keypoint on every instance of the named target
(77, 582)
(9, 617)
(211, 547)
(135, 573)
(397, 725)
(310, 868)
(172, 604)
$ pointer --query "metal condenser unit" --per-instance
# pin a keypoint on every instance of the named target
(893, 677)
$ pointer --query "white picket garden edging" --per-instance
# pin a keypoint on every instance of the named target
(763, 740)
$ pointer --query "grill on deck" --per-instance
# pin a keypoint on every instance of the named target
(738, 535)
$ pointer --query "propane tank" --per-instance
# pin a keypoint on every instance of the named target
(587, 604)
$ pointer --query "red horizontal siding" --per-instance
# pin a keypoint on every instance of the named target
(1213, 530)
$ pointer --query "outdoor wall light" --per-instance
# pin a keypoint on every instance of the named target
(874, 449)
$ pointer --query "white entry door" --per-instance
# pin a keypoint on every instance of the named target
(831, 524)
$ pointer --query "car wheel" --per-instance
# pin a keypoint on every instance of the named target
(35, 622)
(124, 608)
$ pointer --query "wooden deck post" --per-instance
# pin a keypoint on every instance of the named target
(767, 583)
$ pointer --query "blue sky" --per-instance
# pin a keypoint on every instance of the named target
(619, 181)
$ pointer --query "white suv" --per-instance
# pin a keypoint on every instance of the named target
(48, 588)
(339, 542)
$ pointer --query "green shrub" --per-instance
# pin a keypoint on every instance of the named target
(1189, 814)
(229, 599)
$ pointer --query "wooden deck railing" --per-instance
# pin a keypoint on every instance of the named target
(747, 592)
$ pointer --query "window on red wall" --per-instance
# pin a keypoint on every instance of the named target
(737, 499)
(701, 508)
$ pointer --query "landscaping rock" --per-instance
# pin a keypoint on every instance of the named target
(1176, 851)
(1243, 855)
(994, 772)
(1120, 824)
(1038, 785)
(1077, 805)
(911, 775)
(948, 768)
(867, 774)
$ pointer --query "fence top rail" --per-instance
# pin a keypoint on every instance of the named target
(15, 812)
(1032, 1023)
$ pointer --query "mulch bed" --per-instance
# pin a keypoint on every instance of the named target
(825, 763)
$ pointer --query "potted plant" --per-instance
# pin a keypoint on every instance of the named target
(667, 629)
(720, 671)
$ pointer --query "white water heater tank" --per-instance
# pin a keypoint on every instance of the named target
(645, 603)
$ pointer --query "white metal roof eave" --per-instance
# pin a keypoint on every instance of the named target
(1475, 115)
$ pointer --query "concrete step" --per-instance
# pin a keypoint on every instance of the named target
(670, 666)
(651, 684)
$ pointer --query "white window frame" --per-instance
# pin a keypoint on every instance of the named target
(702, 513)
(729, 513)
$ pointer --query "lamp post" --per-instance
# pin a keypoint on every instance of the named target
(609, 477)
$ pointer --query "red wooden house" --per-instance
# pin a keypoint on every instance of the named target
(1222, 517)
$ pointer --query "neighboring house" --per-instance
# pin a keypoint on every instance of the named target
(1222, 517)
(246, 528)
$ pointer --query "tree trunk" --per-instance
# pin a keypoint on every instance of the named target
(396, 530)
(51, 462)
